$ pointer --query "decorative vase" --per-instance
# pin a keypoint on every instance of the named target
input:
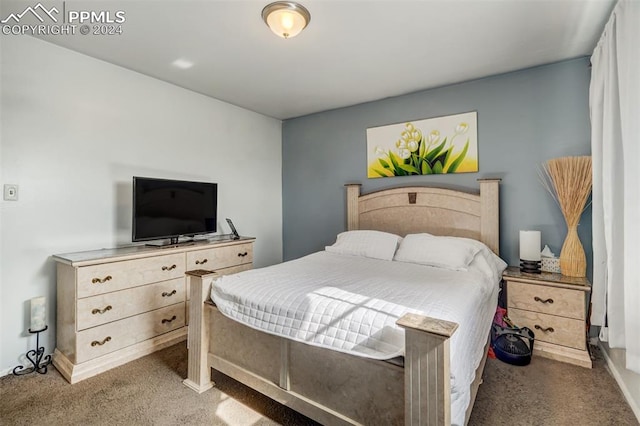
(573, 261)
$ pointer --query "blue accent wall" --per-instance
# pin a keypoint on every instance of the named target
(524, 118)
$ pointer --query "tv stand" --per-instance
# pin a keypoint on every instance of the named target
(116, 305)
(172, 242)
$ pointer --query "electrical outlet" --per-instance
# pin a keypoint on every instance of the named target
(10, 192)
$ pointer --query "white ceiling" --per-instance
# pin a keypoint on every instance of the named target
(351, 52)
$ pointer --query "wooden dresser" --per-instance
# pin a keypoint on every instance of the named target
(554, 307)
(116, 305)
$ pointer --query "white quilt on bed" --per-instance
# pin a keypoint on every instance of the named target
(351, 304)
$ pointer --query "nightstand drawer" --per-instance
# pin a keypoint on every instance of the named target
(566, 331)
(547, 300)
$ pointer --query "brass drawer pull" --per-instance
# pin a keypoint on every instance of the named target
(168, 268)
(164, 321)
(102, 311)
(537, 299)
(101, 281)
(243, 254)
(201, 262)
(167, 294)
(545, 330)
(96, 343)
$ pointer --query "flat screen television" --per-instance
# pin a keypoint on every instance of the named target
(168, 209)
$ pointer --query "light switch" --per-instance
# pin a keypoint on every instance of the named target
(10, 192)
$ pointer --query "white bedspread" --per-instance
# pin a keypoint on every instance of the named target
(350, 304)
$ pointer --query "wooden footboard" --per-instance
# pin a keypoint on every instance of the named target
(342, 388)
(199, 372)
(427, 382)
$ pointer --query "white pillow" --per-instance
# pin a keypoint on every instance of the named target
(442, 252)
(374, 244)
(489, 264)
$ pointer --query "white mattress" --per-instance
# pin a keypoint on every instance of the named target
(350, 304)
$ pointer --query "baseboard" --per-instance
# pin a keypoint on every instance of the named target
(621, 384)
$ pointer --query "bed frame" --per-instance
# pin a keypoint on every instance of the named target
(336, 388)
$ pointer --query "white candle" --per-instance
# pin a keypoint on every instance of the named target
(38, 313)
(530, 245)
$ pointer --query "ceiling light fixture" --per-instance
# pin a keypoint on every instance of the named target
(286, 18)
(182, 63)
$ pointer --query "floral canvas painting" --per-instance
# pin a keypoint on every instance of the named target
(424, 147)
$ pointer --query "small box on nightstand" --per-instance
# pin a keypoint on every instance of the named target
(550, 264)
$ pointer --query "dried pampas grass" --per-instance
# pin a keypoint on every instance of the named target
(568, 180)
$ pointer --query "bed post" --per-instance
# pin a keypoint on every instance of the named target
(199, 373)
(490, 213)
(353, 216)
(427, 382)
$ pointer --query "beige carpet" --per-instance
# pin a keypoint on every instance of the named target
(149, 391)
(549, 392)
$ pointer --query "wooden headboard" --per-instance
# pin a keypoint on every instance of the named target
(438, 211)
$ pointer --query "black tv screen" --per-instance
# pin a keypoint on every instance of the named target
(164, 208)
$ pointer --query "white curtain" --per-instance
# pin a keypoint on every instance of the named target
(614, 98)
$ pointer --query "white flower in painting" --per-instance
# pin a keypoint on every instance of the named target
(409, 129)
(404, 153)
(411, 133)
(434, 137)
(462, 128)
(413, 146)
(401, 144)
(379, 151)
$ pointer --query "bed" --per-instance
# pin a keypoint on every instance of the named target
(408, 374)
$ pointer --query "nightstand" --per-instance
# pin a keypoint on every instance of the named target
(553, 306)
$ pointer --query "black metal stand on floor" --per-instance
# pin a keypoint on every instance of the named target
(36, 353)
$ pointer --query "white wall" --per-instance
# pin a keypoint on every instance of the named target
(75, 130)
(2, 369)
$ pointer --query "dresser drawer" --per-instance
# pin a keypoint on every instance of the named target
(225, 271)
(104, 308)
(234, 269)
(548, 300)
(97, 341)
(221, 272)
(566, 331)
(108, 277)
(220, 257)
